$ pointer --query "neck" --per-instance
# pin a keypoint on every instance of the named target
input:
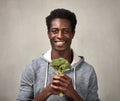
(68, 55)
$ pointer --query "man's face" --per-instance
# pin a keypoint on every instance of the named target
(60, 34)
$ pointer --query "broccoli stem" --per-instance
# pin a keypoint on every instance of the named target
(60, 65)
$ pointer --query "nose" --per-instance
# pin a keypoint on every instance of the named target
(60, 34)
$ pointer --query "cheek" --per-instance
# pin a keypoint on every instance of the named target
(50, 36)
(70, 37)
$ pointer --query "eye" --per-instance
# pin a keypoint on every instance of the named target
(66, 30)
(54, 30)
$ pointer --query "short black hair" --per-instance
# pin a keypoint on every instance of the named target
(61, 13)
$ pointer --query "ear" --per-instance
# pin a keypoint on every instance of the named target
(48, 32)
(73, 34)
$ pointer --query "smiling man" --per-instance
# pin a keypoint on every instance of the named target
(61, 35)
(39, 81)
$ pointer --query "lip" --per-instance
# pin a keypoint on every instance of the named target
(60, 42)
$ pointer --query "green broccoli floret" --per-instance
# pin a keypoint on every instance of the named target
(60, 65)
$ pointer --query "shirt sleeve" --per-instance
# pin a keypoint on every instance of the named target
(93, 88)
(26, 85)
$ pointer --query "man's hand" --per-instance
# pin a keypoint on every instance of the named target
(62, 83)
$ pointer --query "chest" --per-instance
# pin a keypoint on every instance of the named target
(44, 76)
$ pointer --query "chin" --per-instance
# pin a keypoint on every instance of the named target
(60, 49)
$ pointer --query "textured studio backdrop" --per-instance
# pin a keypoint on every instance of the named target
(23, 37)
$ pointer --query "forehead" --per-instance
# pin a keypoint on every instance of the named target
(60, 23)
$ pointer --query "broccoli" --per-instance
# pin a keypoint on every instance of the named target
(60, 65)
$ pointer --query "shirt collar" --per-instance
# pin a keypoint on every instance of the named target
(47, 56)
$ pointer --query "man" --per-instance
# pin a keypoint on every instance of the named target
(39, 81)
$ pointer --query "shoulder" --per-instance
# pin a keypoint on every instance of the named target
(85, 68)
(35, 64)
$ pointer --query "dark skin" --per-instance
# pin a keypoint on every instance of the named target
(60, 36)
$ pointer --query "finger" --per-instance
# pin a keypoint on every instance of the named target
(61, 77)
(54, 86)
(66, 79)
(59, 88)
(65, 76)
(62, 80)
(54, 89)
(59, 83)
(59, 80)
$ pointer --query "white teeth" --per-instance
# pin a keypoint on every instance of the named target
(60, 42)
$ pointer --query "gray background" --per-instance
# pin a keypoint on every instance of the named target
(23, 37)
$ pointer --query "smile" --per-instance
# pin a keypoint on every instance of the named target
(60, 43)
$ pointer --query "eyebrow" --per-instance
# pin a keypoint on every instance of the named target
(61, 28)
